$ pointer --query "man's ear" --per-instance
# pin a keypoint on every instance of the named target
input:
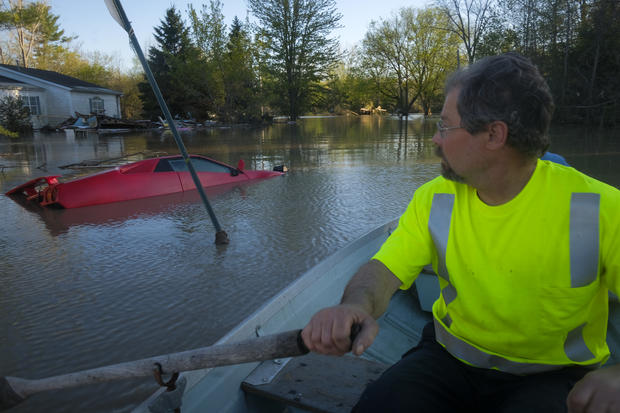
(498, 134)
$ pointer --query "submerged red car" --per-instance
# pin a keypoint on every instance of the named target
(142, 179)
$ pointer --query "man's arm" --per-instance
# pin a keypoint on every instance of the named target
(365, 298)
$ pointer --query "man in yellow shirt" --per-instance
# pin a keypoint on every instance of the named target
(526, 251)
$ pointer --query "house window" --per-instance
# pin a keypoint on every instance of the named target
(32, 103)
(96, 106)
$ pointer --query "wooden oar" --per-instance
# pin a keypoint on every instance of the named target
(14, 390)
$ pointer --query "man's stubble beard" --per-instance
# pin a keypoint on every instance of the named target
(446, 171)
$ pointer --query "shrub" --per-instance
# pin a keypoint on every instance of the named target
(14, 116)
(8, 133)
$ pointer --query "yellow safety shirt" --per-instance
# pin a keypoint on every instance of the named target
(524, 285)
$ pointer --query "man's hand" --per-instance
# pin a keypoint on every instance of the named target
(597, 392)
(329, 330)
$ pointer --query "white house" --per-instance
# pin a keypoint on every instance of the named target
(53, 97)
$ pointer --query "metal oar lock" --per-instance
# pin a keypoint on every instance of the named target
(171, 399)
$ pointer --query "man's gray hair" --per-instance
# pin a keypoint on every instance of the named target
(507, 88)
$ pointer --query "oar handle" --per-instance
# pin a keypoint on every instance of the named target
(355, 329)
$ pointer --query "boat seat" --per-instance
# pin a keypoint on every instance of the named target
(313, 382)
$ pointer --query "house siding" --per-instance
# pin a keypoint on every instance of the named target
(58, 102)
(81, 103)
(16, 91)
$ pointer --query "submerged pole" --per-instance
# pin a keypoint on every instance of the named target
(117, 12)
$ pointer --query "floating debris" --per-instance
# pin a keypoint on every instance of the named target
(102, 123)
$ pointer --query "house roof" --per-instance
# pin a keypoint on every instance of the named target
(10, 83)
(4, 79)
(59, 79)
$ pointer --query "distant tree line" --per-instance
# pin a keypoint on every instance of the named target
(286, 59)
(575, 43)
(247, 72)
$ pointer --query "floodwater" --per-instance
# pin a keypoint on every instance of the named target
(101, 285)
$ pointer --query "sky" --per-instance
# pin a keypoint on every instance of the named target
(97, 31)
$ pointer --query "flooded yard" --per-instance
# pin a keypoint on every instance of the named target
(105, 284)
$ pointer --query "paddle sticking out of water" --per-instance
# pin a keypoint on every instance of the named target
(117, 12)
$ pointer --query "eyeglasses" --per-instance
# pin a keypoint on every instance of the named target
(444, 129)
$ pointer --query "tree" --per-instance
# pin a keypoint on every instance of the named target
(208, 29)
(299, 52)
(594, 84)
(126, 82)
(498, 41)
(357, 85)
(33, 31)
(469, 19)
(546, 32)
(14, 115)
(436, 57)
(349, 87)
(241, 83)
(409, 55)
(209, 34)
(177, 68)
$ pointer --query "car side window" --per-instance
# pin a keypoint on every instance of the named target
(163, 166)
(201, 165)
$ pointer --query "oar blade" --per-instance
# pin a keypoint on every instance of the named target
(113, 8)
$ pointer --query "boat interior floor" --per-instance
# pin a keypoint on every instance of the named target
(316, 383)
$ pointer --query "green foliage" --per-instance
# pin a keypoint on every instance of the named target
(131, 103)
(289, 61)
(408, 56)
(177, 68)
(470, 20)
(14, 116)
(297, 52)
(208, 29)
(209, 34)
(240, 78)
(500, 40)
(593, 81)
(575, 43)
(34, 31)
(348, 87)
(6, 132)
